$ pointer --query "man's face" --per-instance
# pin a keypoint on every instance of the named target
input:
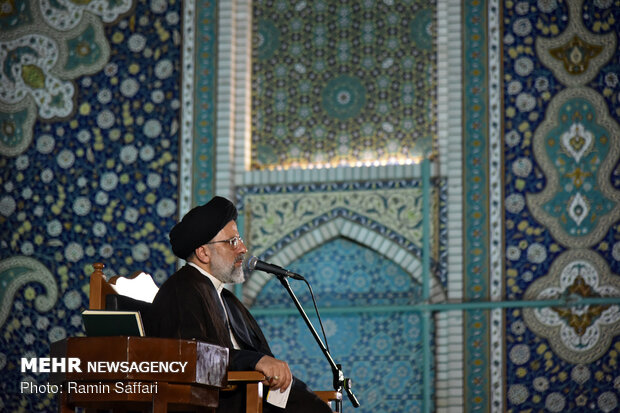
(227, 261)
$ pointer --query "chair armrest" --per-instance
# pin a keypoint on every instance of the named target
(253, 388)
(245, 376)
(329, 395)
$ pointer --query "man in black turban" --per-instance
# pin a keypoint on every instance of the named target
(193, 304)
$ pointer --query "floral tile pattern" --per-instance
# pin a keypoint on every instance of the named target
(97, 183)
(561, 191)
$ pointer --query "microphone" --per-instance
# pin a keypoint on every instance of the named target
(254, 263)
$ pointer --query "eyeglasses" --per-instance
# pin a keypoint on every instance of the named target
(234, 241)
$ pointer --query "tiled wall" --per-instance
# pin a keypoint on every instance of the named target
(107, 181)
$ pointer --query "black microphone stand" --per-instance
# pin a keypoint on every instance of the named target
(340, 382)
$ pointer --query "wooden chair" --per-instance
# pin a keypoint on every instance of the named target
(100, 289)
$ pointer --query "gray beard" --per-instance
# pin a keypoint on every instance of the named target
(226, 274)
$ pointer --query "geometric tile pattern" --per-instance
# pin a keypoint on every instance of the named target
(379, 351)
(342, 82)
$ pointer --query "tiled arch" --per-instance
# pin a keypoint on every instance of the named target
(342, 227)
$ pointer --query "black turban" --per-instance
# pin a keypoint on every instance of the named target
(200, 225)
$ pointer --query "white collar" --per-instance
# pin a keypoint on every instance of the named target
(219, 286)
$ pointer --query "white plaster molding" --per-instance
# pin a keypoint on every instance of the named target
(449, 390)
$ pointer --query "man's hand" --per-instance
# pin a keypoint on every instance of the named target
(276, 371)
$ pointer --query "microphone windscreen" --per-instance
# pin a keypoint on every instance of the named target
(250, 263)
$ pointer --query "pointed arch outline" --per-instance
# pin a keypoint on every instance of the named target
(340, 227)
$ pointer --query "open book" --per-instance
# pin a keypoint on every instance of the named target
(100, 323)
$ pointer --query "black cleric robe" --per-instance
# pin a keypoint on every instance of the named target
(187, 306)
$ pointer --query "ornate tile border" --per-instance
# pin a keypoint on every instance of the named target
(369, 229)
(496, 218)
(476, 226)
(186, 144)
(198, 113)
